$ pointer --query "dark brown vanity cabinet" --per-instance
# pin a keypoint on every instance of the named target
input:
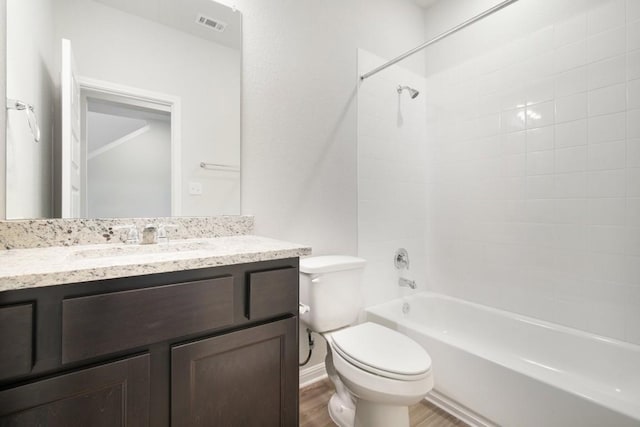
(206, 347)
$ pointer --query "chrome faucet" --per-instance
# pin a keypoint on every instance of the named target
(406, 283)
(152, 233)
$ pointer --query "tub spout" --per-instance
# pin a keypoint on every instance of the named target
(406, 283)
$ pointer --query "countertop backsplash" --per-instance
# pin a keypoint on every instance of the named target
(42, 233)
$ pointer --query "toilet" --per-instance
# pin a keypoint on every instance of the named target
(377, 371)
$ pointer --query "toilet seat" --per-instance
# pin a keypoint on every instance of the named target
(382, 351)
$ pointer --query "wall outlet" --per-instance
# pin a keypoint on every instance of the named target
(195, 188)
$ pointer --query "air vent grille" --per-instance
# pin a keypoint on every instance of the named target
(211, 23)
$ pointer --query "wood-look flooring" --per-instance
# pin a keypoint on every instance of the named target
(315, 397)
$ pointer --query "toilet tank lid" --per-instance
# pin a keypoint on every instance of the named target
(330, 263)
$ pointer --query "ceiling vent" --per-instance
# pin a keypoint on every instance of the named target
(211, 23)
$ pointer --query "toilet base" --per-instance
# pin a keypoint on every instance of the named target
(369, 414)
(340, 413)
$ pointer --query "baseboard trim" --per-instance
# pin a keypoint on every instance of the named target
(312, 374)
(459, 411)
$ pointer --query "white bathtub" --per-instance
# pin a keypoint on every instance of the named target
(517, 371)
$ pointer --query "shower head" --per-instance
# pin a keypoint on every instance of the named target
(412, 92)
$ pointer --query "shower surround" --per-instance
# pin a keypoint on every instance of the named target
(513, 179)
(534, 140)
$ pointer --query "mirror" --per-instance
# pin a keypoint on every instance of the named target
(137, 103)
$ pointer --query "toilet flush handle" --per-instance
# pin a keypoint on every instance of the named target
(303, 308)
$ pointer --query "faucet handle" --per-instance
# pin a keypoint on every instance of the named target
(162, 232)
(401, 259)
(133, 238)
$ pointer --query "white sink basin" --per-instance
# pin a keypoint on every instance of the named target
(118, 250)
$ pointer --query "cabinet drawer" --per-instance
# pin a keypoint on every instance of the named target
(16, 338)
(102, 324)
(273, 292)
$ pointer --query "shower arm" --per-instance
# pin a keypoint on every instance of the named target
(439, 37)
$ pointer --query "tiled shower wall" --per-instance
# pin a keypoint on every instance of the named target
(391, 178)
(533, 195)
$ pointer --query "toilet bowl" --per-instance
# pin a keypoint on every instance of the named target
(377, 372)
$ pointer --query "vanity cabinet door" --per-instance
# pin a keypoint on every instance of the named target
(16, 340)
(114, 394)
(244, 378)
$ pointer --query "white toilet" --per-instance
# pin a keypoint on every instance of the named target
(377, 371)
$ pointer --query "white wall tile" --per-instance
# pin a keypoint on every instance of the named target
(633, 212)
(540, 139)
(540, 162)
(571, 185)
(607, 72)
(571, 107)
(540, 115)
(633, 35)
(608, 15)
(572, 211)
(633, 65)
(633, 153)
(607, 211)
(571, 134)
(515, 165)
(632, 241)
(540, 187)
(540, 91)
(575, 54)
(607, 239)
(607, 44)
(514, 142)
(571, 81)
(633, 10)
(633, 94)
(607, 128)
(609, 183)
(633, 123)
(573, 159)
(513, 120)
(607, 100)
(540, 210)
(570, 30)
(608, 155)
(633, 182)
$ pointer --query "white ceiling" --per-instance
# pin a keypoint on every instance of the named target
(425, 3)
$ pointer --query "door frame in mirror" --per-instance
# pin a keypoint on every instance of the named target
(3, 116)
(137, 95)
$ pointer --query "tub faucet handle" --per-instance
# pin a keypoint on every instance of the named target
(401, 259)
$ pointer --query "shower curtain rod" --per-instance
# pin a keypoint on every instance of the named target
(439, 37)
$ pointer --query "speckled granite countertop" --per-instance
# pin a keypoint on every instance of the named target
(37, 267)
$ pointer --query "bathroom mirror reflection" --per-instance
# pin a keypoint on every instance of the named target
(138, 106)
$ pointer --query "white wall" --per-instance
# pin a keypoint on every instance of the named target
(139, 188)
(391, 178)
(535, 199)
(31, 79)
(299, 113)
(125, 49)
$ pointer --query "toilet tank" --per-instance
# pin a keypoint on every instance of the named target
(331, 287)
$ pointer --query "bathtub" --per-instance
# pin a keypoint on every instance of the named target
(492, 367)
